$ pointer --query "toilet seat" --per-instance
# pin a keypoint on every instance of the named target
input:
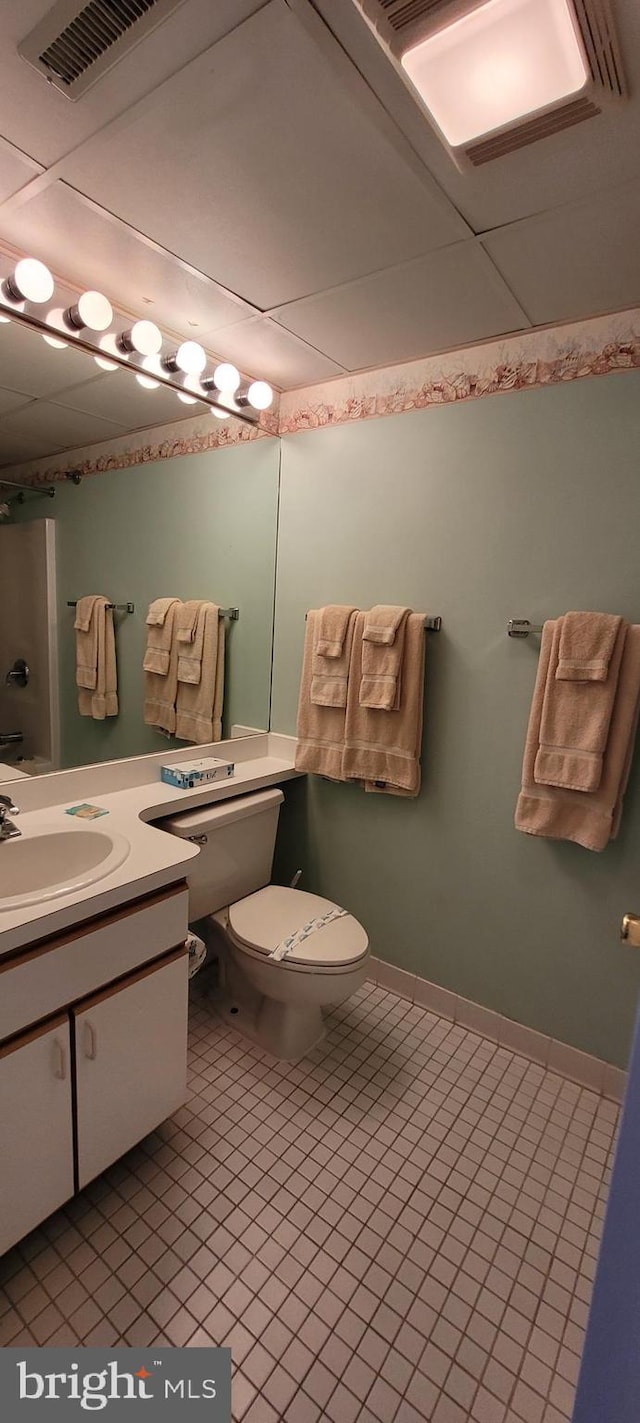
(262, 920)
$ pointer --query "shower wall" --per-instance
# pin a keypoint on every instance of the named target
(28, 629)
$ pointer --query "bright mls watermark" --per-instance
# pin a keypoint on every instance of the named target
(170, 1384)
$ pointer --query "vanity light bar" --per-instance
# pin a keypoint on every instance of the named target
(32, 282)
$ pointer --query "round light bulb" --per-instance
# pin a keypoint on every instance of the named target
(260, 395)
(55, 342)
(107, 343)
(149, 382)
(227, 378)
(93, 310)
(143, 337)
(219, 414)
(32, 280)
(191, 358)
(5, 318)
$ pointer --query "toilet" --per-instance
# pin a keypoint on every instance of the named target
(277, 1001)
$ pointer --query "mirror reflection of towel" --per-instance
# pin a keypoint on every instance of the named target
(98, 694)
(199, 705)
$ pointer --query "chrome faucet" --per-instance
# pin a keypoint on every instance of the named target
(8, 830)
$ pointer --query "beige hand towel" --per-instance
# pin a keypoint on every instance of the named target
(587, 642)
(190, 633)
(199, 705)
(330, 674)
(320, 727)
(575, 720)
(383, 622)
(160, 687)
(86, 627)
(381, 683)
(161, 624)
(384, 747)
(188, 620)
(333, 622)
(590, 819)
(101, 700)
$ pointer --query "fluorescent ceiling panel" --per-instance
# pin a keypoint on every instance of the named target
(505, 60)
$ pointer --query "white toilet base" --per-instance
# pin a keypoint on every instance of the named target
(288, 1030)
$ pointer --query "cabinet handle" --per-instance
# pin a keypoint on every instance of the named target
(90, 1041)
(60, 1064)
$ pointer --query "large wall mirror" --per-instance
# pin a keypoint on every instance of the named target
(187, 525)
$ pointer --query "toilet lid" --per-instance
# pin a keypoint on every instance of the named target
(263, 920)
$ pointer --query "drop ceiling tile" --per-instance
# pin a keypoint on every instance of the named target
(62, 427)
(16, 169)
(118, 397)
(42, 121)
(15, 451)
(11, 400)
(271, 165)
(89, 247)
(29, 365)
(264, 350)
(447, 299)
(574, 262)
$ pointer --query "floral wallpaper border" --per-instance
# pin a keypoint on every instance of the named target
(525, 361)
(531, 359)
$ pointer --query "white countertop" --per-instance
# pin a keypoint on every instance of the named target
(136, 795)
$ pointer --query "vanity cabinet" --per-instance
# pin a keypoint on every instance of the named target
(36, 1128)
(93, 1051)
(130, 1061)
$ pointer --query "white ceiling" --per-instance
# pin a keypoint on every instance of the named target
(256, 173)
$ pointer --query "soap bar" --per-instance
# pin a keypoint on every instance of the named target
(189, 774)
(86, 811)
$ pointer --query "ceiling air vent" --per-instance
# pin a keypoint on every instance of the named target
(74, 45)
(401, 24)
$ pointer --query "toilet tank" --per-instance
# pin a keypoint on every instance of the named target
(236, 849)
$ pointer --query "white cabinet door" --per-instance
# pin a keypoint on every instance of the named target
(131, 1061)
(36, 1129)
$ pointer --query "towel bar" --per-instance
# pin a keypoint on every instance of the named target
(115, 607)
(430, 624)
(521, 627)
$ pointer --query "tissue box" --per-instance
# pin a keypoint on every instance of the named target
(189, 774)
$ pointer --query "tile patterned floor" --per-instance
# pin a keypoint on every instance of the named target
(402, 1227)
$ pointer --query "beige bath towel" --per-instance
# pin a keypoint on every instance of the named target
(382, 623)
(381, 682)
(190, 634)
(575, 720)
(199, 705)
(101, 700)
(320, 728)
(160, 687)
(590, 819)
(383, 747)
(161, 625)
(332, 625)
(86, 626)
(330, 674)
(587, 642)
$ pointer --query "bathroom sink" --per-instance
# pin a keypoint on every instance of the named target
(51, 861)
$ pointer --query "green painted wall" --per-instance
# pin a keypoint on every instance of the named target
(198, 526)
(523, 505)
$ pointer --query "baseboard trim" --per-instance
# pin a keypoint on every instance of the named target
(558, 1057)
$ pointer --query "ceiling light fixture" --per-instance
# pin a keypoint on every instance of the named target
(144, 337)
(29, 281)
(505, 60)
(92, 309)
